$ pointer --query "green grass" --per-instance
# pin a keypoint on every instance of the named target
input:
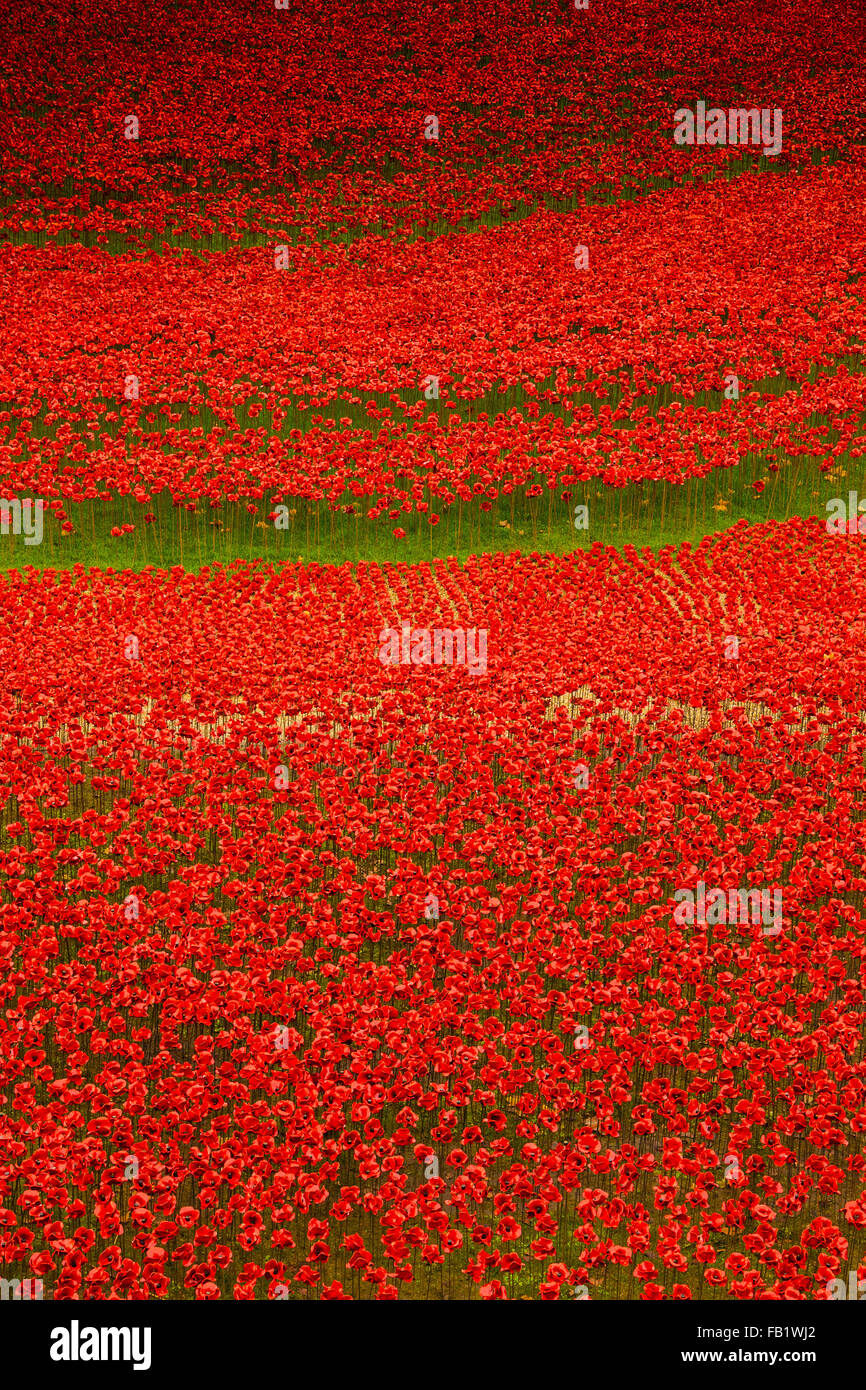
(649, 514)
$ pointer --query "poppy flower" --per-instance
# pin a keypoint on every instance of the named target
(297, 955)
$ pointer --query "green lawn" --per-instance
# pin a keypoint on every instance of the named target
(648, 514)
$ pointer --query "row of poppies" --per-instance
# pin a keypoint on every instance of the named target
(246, 1055)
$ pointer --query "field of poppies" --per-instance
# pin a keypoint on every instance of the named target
(328, 978)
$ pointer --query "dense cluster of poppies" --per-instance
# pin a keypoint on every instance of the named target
(325, 350)
(472, 366)
(329, 978)
(322, 979)
(324, 114)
